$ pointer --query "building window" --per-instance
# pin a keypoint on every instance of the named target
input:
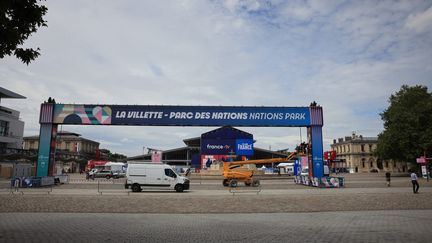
(371, 164)
(363, 163)
(344, 148)
(387, 165)
(67, 145)
(370, 147)
(4, 128)
(348, 148)
(362, 148)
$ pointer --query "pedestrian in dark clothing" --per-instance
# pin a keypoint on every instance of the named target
(414, 182)
(388, 175)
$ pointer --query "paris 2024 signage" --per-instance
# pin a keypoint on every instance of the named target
(181, 115)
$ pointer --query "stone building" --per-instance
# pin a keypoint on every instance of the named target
(67, 142)
(358, 153)
(72, 150)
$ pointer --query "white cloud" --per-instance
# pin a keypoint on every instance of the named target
(348, 56)
(420, 22)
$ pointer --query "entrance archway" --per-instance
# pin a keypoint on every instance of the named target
(53, 114)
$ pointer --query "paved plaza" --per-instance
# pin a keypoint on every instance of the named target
(360, 226)
(364, 211)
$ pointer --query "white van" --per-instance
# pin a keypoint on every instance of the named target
(154, 175)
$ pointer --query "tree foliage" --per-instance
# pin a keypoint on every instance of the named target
(117, 157)
(18, 20)
(407, 125)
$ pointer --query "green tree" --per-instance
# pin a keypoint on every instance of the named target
(18, 20)
(407, 125)
(117, 157)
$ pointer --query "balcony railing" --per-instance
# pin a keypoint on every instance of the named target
(9, 135)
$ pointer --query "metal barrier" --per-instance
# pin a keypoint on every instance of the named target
(31, 190)
(235, 190)
(101, 189)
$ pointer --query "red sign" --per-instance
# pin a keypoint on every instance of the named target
(329, 155)
(421, 160)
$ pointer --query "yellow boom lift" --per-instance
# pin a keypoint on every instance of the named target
(234, 173)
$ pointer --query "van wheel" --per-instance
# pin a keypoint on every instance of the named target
(107, 177)
(248, 183)
(225, 182)
(179, 188)
(136, 188)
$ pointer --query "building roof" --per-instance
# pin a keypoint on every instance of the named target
(67, 133)
(64, 135)
(196, 141)
(5, 93)
(226, 132)
(356, 140)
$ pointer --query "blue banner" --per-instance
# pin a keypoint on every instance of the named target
(210, 116)
(244, 147)
(181, 115)
(317, 152)
(44, 149)
(297, 167)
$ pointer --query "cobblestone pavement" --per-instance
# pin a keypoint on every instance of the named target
(210, 196)
(102, 210)
(364, 226)
(218, 201)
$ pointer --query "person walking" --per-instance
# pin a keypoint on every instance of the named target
(414, 182)
(388, 175)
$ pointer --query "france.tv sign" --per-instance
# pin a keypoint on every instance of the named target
(244, 147)
(227, 146)
(218, 146)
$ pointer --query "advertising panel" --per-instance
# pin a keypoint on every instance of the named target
(424, 171)
(227, 146)
(183, 115)
(44, 149)
(244, 147)
(156, 156)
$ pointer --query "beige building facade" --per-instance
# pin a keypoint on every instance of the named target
(66, 142)
(358, 152)
(72, 150)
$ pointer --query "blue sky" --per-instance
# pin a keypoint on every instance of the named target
(349, 56)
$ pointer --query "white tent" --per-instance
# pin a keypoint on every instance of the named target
(285, 164)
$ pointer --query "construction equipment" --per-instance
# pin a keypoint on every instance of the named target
(234, 173)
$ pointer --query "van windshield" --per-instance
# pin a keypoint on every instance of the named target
(170, 173)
